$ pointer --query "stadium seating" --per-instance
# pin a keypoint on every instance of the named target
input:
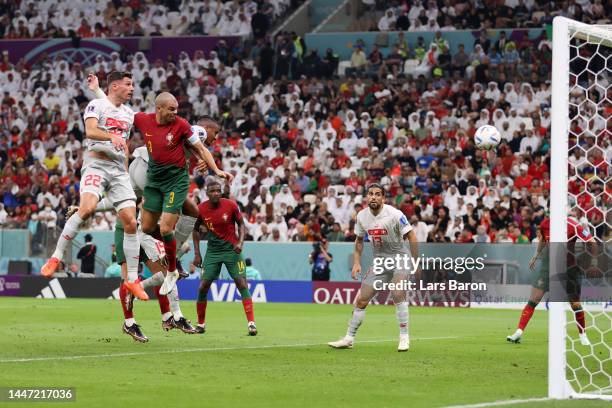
(105, 18)
(293, 125)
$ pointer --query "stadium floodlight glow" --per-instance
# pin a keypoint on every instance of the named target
(578, 76)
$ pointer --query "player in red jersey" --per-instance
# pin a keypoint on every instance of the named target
(219, 217)
(540, 285)
(206, 130)
(165, 134)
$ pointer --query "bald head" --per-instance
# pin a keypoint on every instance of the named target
(164, 99)
(166, 108)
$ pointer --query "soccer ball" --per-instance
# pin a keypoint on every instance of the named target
(200, 132)
(487, 137)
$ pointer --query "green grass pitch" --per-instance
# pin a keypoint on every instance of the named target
(457, 356)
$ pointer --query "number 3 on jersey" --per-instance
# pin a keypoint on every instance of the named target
(170, 199)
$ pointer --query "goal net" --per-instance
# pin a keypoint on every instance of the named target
(581, 187)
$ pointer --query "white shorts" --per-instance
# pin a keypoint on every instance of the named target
(100, 176)
(388, 276)
(152, 247)
(138, 175)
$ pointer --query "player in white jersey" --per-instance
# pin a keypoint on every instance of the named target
(391, 235)
(108, 123)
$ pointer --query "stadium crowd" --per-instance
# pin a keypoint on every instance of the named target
(303, 148)
(123, 18)
(433, 15)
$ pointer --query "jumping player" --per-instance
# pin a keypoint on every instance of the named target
(167, 178)
(107, 126)
(540, 284)
(389, 231)
(206, 132)
(219, 217)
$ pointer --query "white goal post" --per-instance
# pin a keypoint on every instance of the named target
(576, 371)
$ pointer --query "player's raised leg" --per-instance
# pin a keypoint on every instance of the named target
(131, 248)
(87, 207)
(185, 224)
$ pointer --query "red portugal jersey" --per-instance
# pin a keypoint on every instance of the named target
(221, 223)
(165, 143)
(575, 231)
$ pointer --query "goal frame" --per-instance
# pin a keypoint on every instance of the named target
(563, 28)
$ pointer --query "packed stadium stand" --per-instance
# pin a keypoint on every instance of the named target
(304, 131)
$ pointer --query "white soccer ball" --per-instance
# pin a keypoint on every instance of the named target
(487, 137)
(200, 132)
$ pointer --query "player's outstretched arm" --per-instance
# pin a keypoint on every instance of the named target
(206, 159)
(94, 85)
(357, 258)
(93, 132)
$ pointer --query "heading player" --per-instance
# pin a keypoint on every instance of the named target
(390, 233)
(540, 284)
(167, 178)
(206, 130)
(108, 123)
(219, 216)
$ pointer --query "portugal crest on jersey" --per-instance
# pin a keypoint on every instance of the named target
(225, 217)
(169, 138)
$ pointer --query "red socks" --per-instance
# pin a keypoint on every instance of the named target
(126, 306)
(526, 316)
(170, 247)
(201, 307)
(579, 313)
(164, 303)
(247, 304)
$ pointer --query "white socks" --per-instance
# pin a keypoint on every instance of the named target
(355, 322)
(155, 280)
(131, 248)
(104, 205)
(182, 232)
(71, 229)
(130, 322)
(401, 313)
(173, 298)
(175, 308)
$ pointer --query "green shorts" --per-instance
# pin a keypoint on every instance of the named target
(571, 280)
(213, 260)
(167, 198)
(119, 245)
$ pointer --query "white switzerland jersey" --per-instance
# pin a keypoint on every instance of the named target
(118, 120)
(386, 230)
